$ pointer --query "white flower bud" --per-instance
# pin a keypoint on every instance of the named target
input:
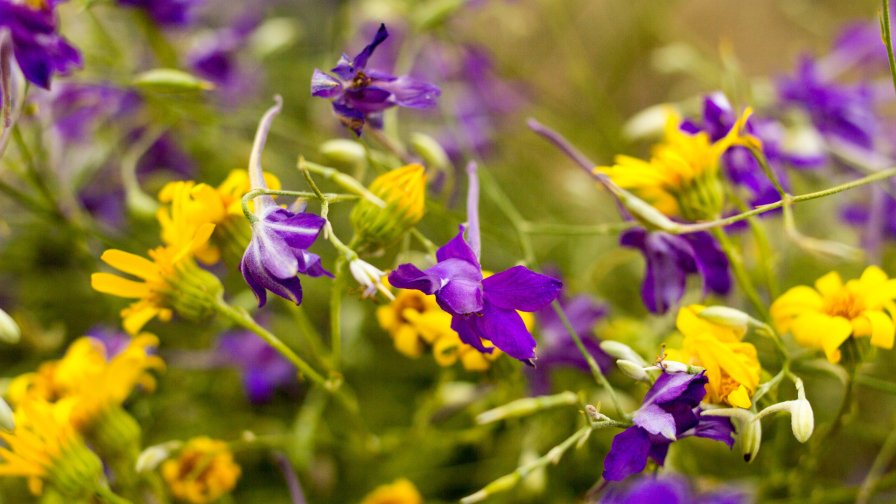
(802, 419)
(370, 277)
(751, 438)
(671, 366)
(648, 123)
(9, 330)
(632, 370)
(621, 351)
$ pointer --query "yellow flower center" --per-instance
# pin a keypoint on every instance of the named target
(845, 304)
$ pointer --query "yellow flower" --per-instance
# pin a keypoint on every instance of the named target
(401, 491)
(404, 191)
(190, 205)
(826, 316)
(732, 366)
(170, 281)
(415, 320)
(203, 472)
(45, 447)
(682, 177)
(86, 375)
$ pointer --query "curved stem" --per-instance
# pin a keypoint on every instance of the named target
(740, 272)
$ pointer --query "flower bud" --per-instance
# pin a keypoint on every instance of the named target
(431, 151)
(370, 277)
(648, 122)
(726, 317)
(9, 330)
(7, 419)
(802, 419)
(632, 370)
(621, 351)
(751, 438)
(403, 191)
(343, 152)
(151, 457)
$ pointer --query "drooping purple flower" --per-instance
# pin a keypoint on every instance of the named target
(278, 252)
(263, 369)
(670, 489)
(558, 348)
(481, 308)
(360, 95)
(670, 411)
(845, 113)
(167, 13)
(671, 258)
(33, 35)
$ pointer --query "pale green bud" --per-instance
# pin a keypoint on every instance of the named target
(621, 351)
(151, 457)
(9, 330)
(727, 317)
(632, 370)
(751, 439)
(171, 81)
(802, 419)
(343, 152)
(7, 420)
(648, 122)
(431, 151)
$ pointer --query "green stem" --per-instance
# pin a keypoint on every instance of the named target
(577, 230)
(888, 38)
(876, 384)
(336, 311)
(599, 376)
(740, 272)
(512, 214)
(243, 319)
(106, 495)
(881, 462)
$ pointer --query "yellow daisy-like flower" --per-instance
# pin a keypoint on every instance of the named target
(682, 178)
(45, 447)
(404, 192)
(826, 316)
(415, 321)
(732, 366)
(191, 204)
(170, 281)
(402, 491)
(87, 375)
(203, 472)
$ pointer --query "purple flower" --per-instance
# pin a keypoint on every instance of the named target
(168, 13)
(558, 348)
(263, 369)
(113, 341)
(671, 258)
(670, 411)
(215, 56)
(481, 308)
(670, 489)
(360, 94)
(842, 112)
(38, 48)
(78, 109)
(278, 252)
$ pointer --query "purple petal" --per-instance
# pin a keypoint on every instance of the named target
(519, 288)
(360, 60)
(506, 330)
(458, 248)
(672, 386)
(465, 327)
(260, 280)
(324, 86)
(461, 286)
(627, 455)
(717, 428)
(656, 420)
(408, 276)
(299, 230)
(712, 262)
(273, 252)
(412, 93)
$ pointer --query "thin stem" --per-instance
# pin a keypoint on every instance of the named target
(512, 214)
(888, 38)
(877, 384)
(881, 462)
(740, 272)
(577, 229)
(592, 364)
(390, 145)
(336, 310)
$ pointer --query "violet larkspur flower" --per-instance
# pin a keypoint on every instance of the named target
(30, 28)
(360, 94)
(169, 13)
(670, 411)
(671, 258)
(278, 251)
(670, 489)
(481, 308)
(845, 113)
(558, 348)
(263, 369)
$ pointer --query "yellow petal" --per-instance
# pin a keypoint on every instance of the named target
(740, 398)
(795, 302)
(829, 284)
(115, 285)
(132, 264)
(136, 316)
(873, 276)
(882, 329)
